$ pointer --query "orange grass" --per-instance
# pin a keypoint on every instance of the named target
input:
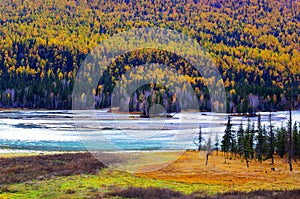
(232, 174)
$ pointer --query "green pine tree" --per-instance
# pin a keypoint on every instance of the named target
(260, 140)
(281, 141)
(241, 141)
(227, 137)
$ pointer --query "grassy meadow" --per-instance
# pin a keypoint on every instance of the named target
(81, 176)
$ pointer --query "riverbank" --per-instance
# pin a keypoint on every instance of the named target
(8, 152)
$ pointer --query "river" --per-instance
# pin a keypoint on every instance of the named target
(102, 130)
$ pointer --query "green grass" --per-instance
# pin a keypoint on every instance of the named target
(84, 186)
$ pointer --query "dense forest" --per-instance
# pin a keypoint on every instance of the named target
(254, 44)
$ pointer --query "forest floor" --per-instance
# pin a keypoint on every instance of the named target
(79, 175)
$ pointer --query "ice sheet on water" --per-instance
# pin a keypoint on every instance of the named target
(66, 129)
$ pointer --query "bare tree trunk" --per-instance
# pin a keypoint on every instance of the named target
(206, 158)
(290, 139)
(247, 162)
(271, 140)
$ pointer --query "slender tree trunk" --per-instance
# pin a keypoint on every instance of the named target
(247, 162)
(290, 139)
(206, 158)
(271, 141)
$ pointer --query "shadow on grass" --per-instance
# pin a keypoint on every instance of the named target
(21, 169)
(153, 193)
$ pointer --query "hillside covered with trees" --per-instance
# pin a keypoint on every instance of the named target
(254, 43)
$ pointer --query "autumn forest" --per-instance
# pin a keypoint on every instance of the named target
(254, 44)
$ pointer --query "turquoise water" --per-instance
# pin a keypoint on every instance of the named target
(105, 131)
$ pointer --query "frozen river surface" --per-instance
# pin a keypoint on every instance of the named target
(106, 131)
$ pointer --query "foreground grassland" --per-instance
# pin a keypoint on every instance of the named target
(230, 173)
(187, 175)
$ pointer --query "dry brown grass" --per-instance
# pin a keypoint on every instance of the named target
(21, 169)
(232, 174)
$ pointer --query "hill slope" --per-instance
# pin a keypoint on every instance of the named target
(255, 45)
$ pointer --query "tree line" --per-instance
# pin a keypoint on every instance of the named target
(255, 142)
(261, 142)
